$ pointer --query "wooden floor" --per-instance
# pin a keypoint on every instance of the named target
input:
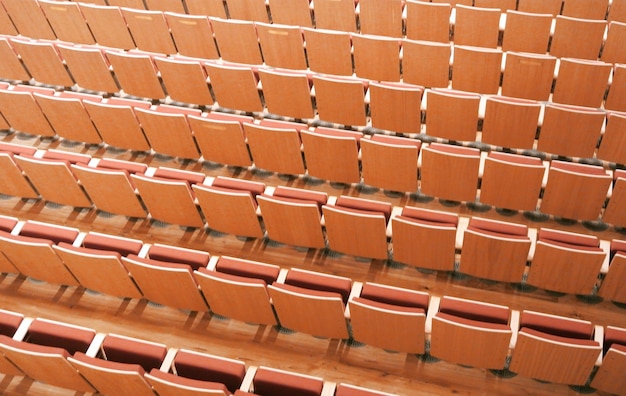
(333, 360)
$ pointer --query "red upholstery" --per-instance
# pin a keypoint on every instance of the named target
(397, 141)
(125, 350)
(397, 297)
(563, 327)
(499, 227)
(364, 204)
(614, 336)
(59, 335)
(123, 246)
(242, 393)
(349, 390)
(433, 216)
(255, 188)
(457, 150)
(248, 269)
(25, 239)
(339, 133)
(474, 310)
(178, 110)
(107, 364)
(297, 193)
(209, 368)
(85, 250)
(176, 174)
(568, 238)
(173, 254)
(115, 101)
(473, 323)
(232, 278)
(618, 246)
(17, 149)
(304, 290)
(9, 322)
(283, 124)
(578, 168)
(268, 382)
(229, 117)
(321, 282)
(390, 307)
(131, 167)
(7, 223)
(518, 159)
(25, 346)
(192, 383)
(556, 338)
(159, 263)
(291, 200)
(48, 231)
(73, 158)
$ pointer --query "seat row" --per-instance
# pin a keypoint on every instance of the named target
(344, 224)
(427, 64)
(78, 358)
(466, 332)
(418, 20)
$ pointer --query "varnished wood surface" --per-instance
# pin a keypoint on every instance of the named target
(333, 360)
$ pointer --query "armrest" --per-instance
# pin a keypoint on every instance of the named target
(246, 384)
(515, 317)
(598, 336)
(433, 308)
(168, 360)
(95, 345)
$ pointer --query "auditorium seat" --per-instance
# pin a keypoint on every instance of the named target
(428, 21)
(426, 63)
(192, 34)
(611, 287)
(237, 41)
(116, 115)
(351, 390)
(390, 162)
(29, 19)
(134, 4)
(248, 10)
(335, 15)
(42, 353)
(98, 270)
(569, 90)
(275, 146)
(594, 9)
(13, 181)
(396, 107)
(510, 122)
(168, 200)
(206, 7)
(165, 5)
(43, 62)
(566, 40)
(11, 67)
(67, 21)
(234, 87)
(136, 74)
(357, 227)
(617, 11)
(89, 67)
(320, 43)
(464, 105)
(614, 213)
(608, 378)
(617, 93)
(382, 19)
(54, 181)
(221, 139)
(121, 245)
(570, 131)
(511, 181)
(231, 210)
(169, 384)
(376, 57)
(613, 51)
(107, 25)
(476, 26)
(282, 46)
(495, 250)
(269, 381)
(6, 26)
(305, 295)
(287, 94)
(120, 365)
(389, 317)
(556, 349)
(528, 76)
(613, 145)
(503, 5)
(340, 100)
(552, 7)
(237, 289)
(68, 117)
(291, 12)
(450, 172)
(169, 283)
(332, 154)
(293, 216)
(526, 32)
(591, 184)
(168, 131)
(471, 333)
(185, 80)
(476, 69)
(9, 323)
(566, 262)
(425, 238)
(149, 30)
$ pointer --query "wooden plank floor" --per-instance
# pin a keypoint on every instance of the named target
(333, 360)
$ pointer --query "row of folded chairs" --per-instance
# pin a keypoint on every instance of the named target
(471, 333)
(481, 25)
(554, 260)
(328, 56)
(81, 359)
(452, 173)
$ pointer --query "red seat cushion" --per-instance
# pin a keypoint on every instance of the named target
(109, 364)
(125, 350)
(192, 383)
(563, 327)
(474, 310)
(9, 322)
(173, 254)
(320, 282)
(123, 246)
(208, 368)
(71, 339)
(48, 231)
(26, 346)
(249, 269)
(274, 383)
(393, 296)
